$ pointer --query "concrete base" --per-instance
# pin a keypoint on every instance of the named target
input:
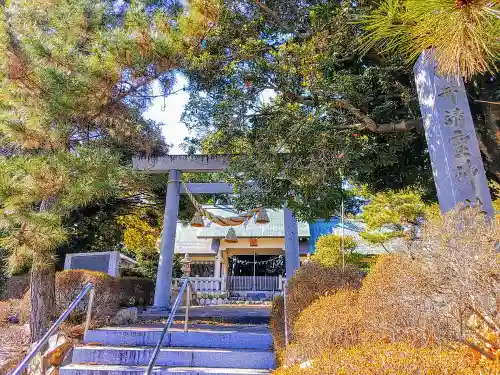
(236, 314)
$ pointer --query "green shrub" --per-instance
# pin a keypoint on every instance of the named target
(328, 250)
(389, 359)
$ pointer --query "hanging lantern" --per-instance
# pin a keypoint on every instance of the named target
(231, 236)
(262, 217)
(197, 221)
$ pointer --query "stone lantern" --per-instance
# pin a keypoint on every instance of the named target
(186, 266)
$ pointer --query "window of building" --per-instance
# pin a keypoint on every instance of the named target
(202, 268)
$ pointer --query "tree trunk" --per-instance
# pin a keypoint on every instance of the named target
(42, 287)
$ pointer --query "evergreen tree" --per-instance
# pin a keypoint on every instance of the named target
(333, 112)
(74, 78)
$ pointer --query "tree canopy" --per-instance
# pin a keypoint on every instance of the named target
(74, 79)
(288, 87)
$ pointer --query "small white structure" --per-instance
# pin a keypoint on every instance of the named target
(110, 262)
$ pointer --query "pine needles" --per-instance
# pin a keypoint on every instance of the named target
(465, 35)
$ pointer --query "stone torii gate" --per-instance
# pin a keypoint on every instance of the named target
(174, 165)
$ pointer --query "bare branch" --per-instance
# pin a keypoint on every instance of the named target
(366, 120)
(398, 127)
(276, 18)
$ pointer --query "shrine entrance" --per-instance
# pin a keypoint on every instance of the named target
(174, 165)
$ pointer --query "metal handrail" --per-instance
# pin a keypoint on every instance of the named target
(57, 323)
(169, 323)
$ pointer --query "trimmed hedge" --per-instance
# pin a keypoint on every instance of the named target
(136, 291)
(110, 293)
(302, 290)
(330, 322)
(69, 284)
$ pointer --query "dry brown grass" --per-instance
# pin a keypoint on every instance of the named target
(18, 307)
(393, 359)
(329, 322)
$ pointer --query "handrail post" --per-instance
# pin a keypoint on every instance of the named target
(89, 312)
(285, 313)
(188, 303)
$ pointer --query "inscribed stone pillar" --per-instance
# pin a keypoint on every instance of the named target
(453, 147)
(292, 258)
(164, 276)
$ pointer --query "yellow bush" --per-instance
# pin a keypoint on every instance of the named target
(393, 303)
(329, 322)
(392, 359)
(313, 280)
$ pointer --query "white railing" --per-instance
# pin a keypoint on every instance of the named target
(204, 284)
(260, 283)
(233, 283)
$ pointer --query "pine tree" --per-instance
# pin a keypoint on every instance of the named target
(74, 78)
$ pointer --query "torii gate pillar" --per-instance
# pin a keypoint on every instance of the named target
(164, 275)
(292, 257)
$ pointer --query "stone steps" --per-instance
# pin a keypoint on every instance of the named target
(176, 357)
(78, 369)
(224, 339)
(205, 349)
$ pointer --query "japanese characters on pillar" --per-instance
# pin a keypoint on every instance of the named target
(453, 147)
